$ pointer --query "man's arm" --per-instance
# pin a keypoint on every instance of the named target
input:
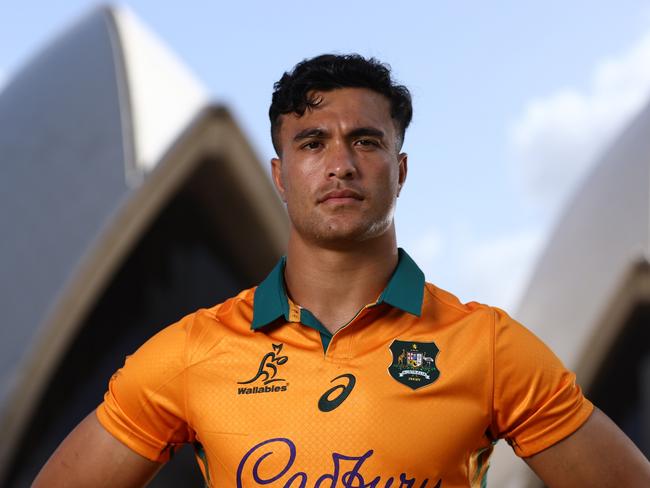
(597, 454)
(90, 456)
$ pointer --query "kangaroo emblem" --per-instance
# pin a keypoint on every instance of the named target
(268, 369)
(401, 360)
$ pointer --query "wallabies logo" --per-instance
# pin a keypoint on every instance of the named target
(267, 373)
(414, 363)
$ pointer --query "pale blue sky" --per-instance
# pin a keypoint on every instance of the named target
(511, 99)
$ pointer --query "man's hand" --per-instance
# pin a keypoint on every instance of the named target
(598, 454)
(91, 457)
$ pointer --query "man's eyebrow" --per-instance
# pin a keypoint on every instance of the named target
(310, 132)
(366, 131)
(317, 132)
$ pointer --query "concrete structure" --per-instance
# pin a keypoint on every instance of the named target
(126, 200)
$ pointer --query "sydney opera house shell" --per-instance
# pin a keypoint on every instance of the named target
(589, 297)
(128, 198)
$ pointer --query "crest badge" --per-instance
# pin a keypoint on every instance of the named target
(414, 363)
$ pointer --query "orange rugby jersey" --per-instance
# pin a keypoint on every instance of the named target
(412, 392)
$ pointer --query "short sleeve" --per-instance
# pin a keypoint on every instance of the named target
(537, 401)
(144, 406)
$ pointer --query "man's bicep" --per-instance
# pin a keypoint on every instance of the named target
(597, 454)
(90, 456)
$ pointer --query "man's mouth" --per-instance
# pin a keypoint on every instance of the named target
(340, 196)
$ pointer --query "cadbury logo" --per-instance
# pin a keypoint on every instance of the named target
(346, 471)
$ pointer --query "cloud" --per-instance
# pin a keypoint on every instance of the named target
(493, 271)
(496, 271)
(559, 136)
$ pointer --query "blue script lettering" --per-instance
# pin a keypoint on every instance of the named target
(348, 476)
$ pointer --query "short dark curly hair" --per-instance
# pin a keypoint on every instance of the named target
(292, 93)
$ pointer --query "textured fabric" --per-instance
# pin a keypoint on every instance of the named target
(416, 399)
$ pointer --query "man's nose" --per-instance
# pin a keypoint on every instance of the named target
(342, 163)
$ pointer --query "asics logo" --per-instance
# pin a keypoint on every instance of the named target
(336, 395)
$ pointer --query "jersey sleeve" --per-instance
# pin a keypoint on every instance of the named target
(536, 400)
(144, 406)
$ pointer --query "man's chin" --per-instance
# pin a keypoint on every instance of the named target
(338, 242)
(345, 238)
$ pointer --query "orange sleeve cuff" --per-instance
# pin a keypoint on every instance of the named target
(128, 434)
(553, 432)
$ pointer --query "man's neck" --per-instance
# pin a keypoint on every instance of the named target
(335, 284)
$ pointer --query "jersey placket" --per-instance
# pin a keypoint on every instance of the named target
(336, 345)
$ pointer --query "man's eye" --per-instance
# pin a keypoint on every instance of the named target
(311, 145)
(367, 142)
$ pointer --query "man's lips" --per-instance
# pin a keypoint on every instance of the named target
(340, 196)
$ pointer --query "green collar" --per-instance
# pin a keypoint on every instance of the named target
(405, 290)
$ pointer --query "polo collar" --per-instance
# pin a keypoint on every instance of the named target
(270, 301)
(405, 288)
(405, 291)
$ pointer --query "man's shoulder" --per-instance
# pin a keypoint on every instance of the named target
(444, 302)
(205, 328)
(236, 311)
(242, 299)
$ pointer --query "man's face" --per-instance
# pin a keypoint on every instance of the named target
(339, 171)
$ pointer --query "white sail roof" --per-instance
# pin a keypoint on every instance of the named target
(163, 95)
(97, 132)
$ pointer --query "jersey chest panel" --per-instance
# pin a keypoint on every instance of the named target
(270, 407)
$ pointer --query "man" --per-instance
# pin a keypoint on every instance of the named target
(344, 368)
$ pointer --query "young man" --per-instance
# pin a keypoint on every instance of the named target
(344, 368)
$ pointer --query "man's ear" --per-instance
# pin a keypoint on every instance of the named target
(403, 170)
(276, 173)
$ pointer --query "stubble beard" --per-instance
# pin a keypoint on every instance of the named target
(339, 231)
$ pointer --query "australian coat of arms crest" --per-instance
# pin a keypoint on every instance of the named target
(414, 363)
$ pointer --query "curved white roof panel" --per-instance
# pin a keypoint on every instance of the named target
(97, 133)
(595, 251)
(163, 94)
(64, 145)
(593, 270)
